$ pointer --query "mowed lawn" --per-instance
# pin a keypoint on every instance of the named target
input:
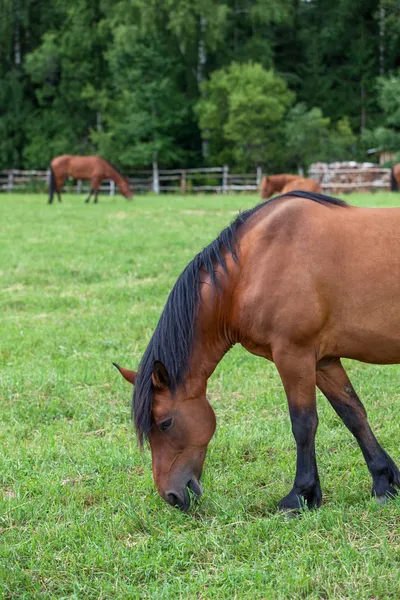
(82, 286)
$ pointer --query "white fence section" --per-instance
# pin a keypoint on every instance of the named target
(342, 177)
(216, 180)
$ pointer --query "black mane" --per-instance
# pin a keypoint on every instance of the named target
(172, 339)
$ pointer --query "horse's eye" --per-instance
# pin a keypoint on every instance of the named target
(165, 425)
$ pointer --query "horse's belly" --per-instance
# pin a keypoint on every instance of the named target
(377, 343)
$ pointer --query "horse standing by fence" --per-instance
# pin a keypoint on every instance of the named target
(395, 178)
(288, 183)
(93, 168)
(302, 280)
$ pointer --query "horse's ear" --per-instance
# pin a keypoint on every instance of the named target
(160, 377)
(127, 374)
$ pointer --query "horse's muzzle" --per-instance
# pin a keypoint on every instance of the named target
(181, 499)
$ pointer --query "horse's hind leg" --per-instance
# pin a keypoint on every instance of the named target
(95, 187)
(90, 195)
(297, 371)
(334, 383)
(58, 187)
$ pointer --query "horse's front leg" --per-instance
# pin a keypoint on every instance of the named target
(297, 370)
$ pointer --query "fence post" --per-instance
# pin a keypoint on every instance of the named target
(79, 186)
(183, 182)
(112, 187)
(156, 181)
(258, 176)
(225, 173)
(10, 181)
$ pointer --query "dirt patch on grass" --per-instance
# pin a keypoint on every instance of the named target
(119, 215)
(18, 287)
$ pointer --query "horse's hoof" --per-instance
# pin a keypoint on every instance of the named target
(390, 494)
(382, 499)
(289, 513)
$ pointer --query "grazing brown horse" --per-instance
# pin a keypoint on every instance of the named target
(395, 178)
(301, 280)
(94, 168)
(287, 183)
(303, 184)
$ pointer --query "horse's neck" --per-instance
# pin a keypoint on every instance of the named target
(114, 175)
(212, 338)
(204, 359)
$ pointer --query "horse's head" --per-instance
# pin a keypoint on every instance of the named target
(125, 189)
(267, 188)
(183, 423)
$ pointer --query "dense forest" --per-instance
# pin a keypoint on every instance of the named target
(277, 83)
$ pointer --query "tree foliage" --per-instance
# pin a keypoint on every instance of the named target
(240, 113)
(197, 81)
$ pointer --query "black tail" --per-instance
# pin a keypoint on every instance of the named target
(52, 185)
(394, 186)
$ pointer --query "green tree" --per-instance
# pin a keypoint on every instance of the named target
(241, 112)
(22, 24)
(386, 136)
(342, 143)
(381, 138)
(306, 132)
(60, 68)
(389, 99)
(338, 58)
(142, 106)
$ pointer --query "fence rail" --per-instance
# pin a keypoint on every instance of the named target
(208, 179)
(334, 178)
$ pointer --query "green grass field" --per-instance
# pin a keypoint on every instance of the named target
(82, 286)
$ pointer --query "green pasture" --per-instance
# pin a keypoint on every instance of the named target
(82, 286)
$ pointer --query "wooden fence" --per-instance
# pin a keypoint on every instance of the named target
(335, 178)
(343, 177)
(217, 180)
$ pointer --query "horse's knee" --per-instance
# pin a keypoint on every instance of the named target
(304, 424)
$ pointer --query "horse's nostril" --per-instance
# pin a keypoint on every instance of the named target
(195, 487)
(173, 499)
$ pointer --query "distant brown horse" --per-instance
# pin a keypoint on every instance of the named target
(303, 184)
(301, 280)
(287, 183)
(395, 178)
(93, 168)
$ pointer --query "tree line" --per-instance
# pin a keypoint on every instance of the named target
(277, 83)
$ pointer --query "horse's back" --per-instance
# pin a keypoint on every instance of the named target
(84, 167)
(326, 276)
(61, 161)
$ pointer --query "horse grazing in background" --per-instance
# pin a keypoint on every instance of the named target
(287, 183)
(395, 178)
(93, 168)
(304, 184)
(302, 280)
